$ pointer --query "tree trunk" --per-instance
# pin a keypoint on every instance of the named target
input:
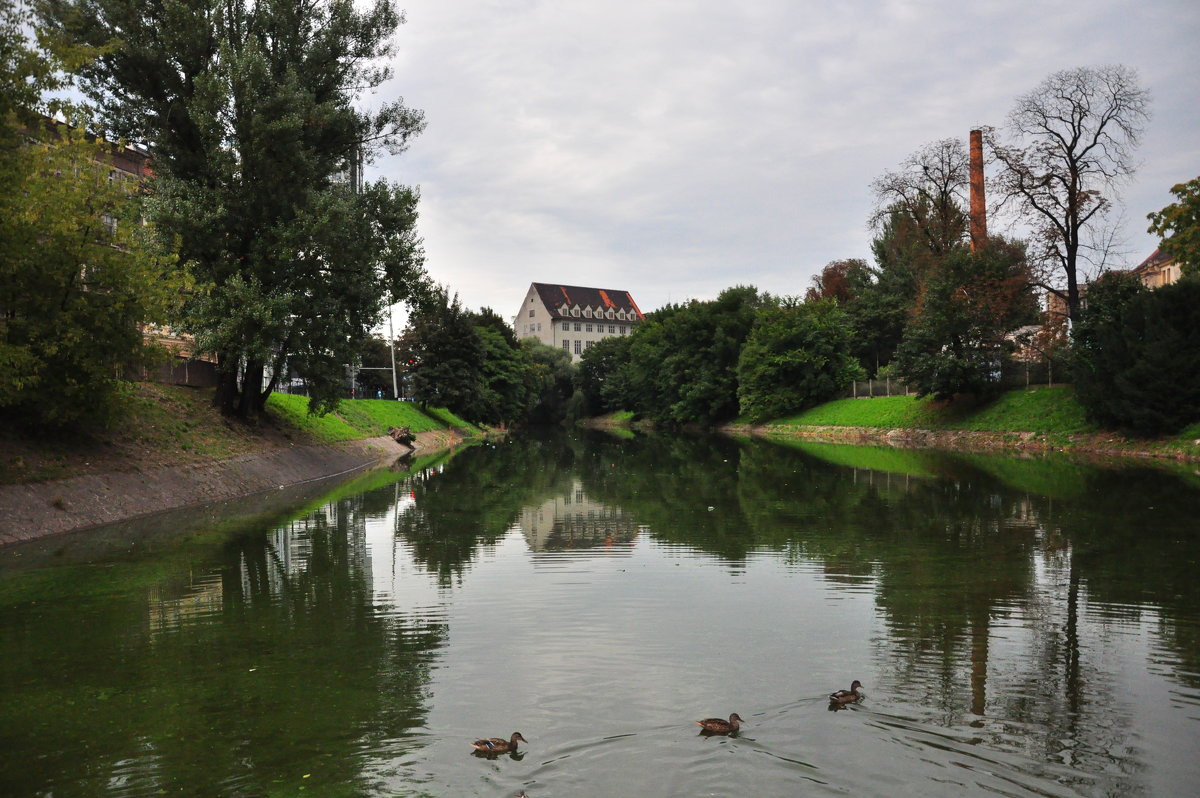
(252, 399)
(226, 394)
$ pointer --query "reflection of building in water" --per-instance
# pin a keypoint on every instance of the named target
(573, 521)
(172, 606)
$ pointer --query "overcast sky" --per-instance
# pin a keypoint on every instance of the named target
(674, 148)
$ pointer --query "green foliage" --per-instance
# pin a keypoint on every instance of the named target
(250, 109)
(795, 357)
(79, 274)
(682, 365)
(551, 381)
(1178, 225)
(1139, 358)
(969, 301)
(602, 375)
(444, 354)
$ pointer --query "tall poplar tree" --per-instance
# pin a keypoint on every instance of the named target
(249, 109)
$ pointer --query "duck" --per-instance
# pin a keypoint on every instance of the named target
(498, 745)
(720, 725)
(847, 696)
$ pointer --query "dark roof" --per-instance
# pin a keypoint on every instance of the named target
(553, 296)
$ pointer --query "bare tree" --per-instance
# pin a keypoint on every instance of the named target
(1073, 141)
(930, 188)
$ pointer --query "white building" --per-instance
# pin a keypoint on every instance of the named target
(574, 318)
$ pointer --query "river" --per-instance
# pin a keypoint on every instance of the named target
(1021, 626)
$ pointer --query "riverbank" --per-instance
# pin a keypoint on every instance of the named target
(1031, 420)
(172, 451)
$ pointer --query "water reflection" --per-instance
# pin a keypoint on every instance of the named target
(1029, 626)
(574, 520)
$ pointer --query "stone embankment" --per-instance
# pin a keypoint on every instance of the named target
(39, 509)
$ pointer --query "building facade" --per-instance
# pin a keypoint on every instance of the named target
(574, 318)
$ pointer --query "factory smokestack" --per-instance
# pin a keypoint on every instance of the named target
(978, 203)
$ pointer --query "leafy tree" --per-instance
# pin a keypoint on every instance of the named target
(835, 281)
(444, 354)
(248, 108)
(1139, 356)
(601, 374)
(1179, 226)
(956, 339)
(683, 360)
(79, 274)
(796, 356)
(1074, 137)
(550, 381)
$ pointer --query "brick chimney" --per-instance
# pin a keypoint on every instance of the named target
(978, 204)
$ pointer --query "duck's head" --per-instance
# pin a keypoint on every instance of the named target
(736, 718)
(518, 736)
(855, 685)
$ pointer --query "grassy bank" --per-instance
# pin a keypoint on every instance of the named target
(360, 418)
(1032, 418)
(164, 425)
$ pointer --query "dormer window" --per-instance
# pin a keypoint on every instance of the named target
(575, 311)
(587, 312)
(620, 314)
(609, 313)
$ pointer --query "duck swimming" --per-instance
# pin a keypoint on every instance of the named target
(720, 725)
(847, 696)
(498, 745)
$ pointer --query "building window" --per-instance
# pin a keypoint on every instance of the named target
(575, 311)
(531, 313)
(612, 328)
(587, 312)
(589, 344)
(578, 326)
(577, 347)
(539, 326)
(588, 328)
(621, 328)
(566, 344)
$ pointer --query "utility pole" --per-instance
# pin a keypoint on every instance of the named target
(392, 346)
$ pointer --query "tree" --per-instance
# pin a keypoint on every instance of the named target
(79, 274)
(1074, 138)
(955, 341)
(601, 374)
(835, 281)
(1179, 226)
(929, 189)
(1138, 355)
(444, 354)
(683, 360)
(796, 356)
(551, 381)
(248, 108)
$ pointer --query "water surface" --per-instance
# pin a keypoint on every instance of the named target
(1023, 627)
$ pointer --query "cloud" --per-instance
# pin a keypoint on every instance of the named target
(674, 149)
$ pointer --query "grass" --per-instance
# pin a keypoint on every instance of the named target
(360, 418)
(1039, 410)
(167, 425)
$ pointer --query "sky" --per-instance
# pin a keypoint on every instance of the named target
(675, 148)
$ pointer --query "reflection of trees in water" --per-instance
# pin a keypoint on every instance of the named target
(952, 558)
(476, 497)
(338, 677)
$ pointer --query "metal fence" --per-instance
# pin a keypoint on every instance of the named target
(1012, 374)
